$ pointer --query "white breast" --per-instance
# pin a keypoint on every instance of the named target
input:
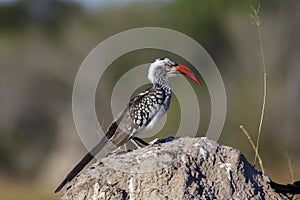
(156, 118)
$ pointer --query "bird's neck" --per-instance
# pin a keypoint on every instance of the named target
(163, 85)
(162, 82)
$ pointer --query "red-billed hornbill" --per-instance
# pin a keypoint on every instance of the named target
(143, 111)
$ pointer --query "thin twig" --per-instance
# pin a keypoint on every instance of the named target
(257, 22)
(254, 148)
(290, 165)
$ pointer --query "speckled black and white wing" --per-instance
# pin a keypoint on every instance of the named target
(148, 107)
(143, 111)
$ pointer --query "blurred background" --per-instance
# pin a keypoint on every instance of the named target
(43, 42)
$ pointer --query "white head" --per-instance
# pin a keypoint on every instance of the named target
(163, 68)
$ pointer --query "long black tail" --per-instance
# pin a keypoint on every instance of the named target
(286, 189)
(112, 130)
(82, 163)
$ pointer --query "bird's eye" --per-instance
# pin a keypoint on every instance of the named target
(168, 67)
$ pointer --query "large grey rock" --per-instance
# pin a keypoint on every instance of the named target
(186, 168)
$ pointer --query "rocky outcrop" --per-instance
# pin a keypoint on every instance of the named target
(185, 168)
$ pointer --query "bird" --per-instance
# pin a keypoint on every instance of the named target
(141, 113)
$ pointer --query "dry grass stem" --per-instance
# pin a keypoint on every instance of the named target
(254, 148)
(257, 22)
(290, 166)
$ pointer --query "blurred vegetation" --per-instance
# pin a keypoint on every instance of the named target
(42, 44)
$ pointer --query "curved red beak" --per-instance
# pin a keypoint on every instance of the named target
(187, 73)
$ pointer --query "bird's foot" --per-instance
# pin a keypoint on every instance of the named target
(163, 140)
(138, 142)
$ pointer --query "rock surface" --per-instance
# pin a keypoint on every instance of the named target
(186, 168)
